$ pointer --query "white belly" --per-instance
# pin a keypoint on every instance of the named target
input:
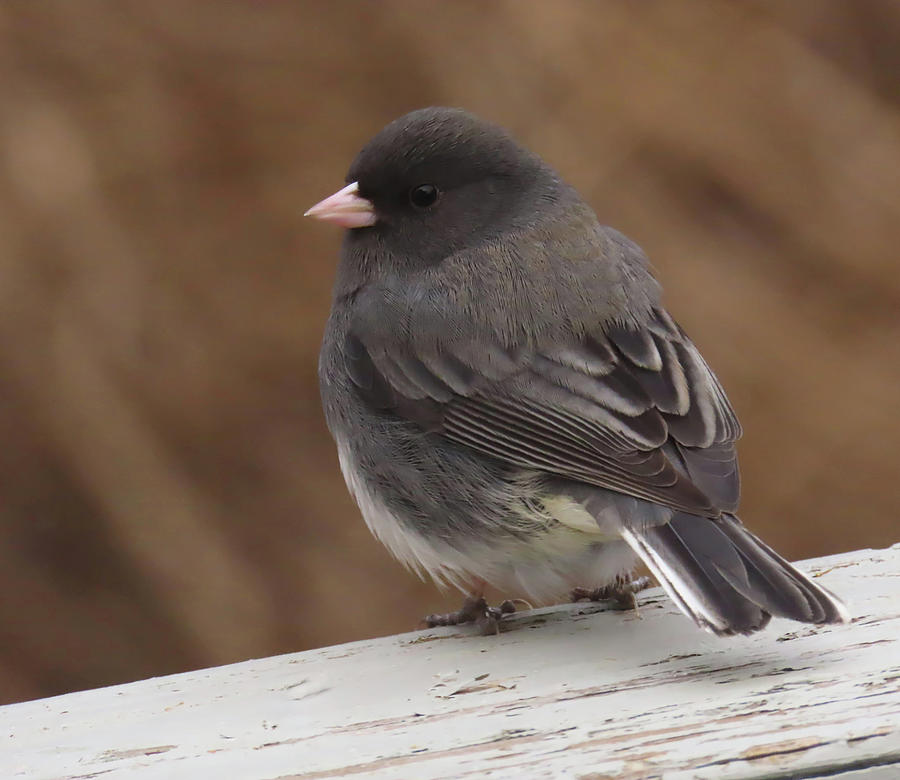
(573, 551)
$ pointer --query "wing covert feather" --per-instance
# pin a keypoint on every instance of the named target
(632, 410)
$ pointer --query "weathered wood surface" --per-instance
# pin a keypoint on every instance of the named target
(571, 691)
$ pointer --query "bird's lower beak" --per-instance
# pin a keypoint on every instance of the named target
(345, 208)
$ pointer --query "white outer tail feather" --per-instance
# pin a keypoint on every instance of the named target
(690, 599)
(683, 592)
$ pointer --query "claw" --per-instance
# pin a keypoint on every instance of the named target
(474, 610)
(621, 592)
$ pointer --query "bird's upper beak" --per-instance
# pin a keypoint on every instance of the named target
(345, 208)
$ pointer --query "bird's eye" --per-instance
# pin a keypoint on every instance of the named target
(423, 196)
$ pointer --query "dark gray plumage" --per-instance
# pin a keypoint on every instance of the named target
(511, 402)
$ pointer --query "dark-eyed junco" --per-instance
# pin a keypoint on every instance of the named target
(512, 404)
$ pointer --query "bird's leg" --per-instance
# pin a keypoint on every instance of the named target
(621, 592)
(474, 610)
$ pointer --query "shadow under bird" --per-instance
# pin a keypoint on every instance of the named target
(511, 402)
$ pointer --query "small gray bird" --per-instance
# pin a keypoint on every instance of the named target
(512, 404)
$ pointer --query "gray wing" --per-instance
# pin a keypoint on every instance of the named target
(635, 410)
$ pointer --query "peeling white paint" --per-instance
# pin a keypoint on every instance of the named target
(571, 691)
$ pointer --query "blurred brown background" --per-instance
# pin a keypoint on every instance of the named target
(169, 495)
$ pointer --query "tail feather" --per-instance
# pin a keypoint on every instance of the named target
(771, 570)
(726, 579)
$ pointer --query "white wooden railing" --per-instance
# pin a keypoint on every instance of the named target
(569, 691)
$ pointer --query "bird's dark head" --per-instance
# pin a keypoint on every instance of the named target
(434, 182)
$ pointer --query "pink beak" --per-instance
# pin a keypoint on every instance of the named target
(345, 208)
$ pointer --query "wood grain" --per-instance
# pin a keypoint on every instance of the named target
(569, 691)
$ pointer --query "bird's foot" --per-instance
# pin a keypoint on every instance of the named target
(621, 592)
(474, 610)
